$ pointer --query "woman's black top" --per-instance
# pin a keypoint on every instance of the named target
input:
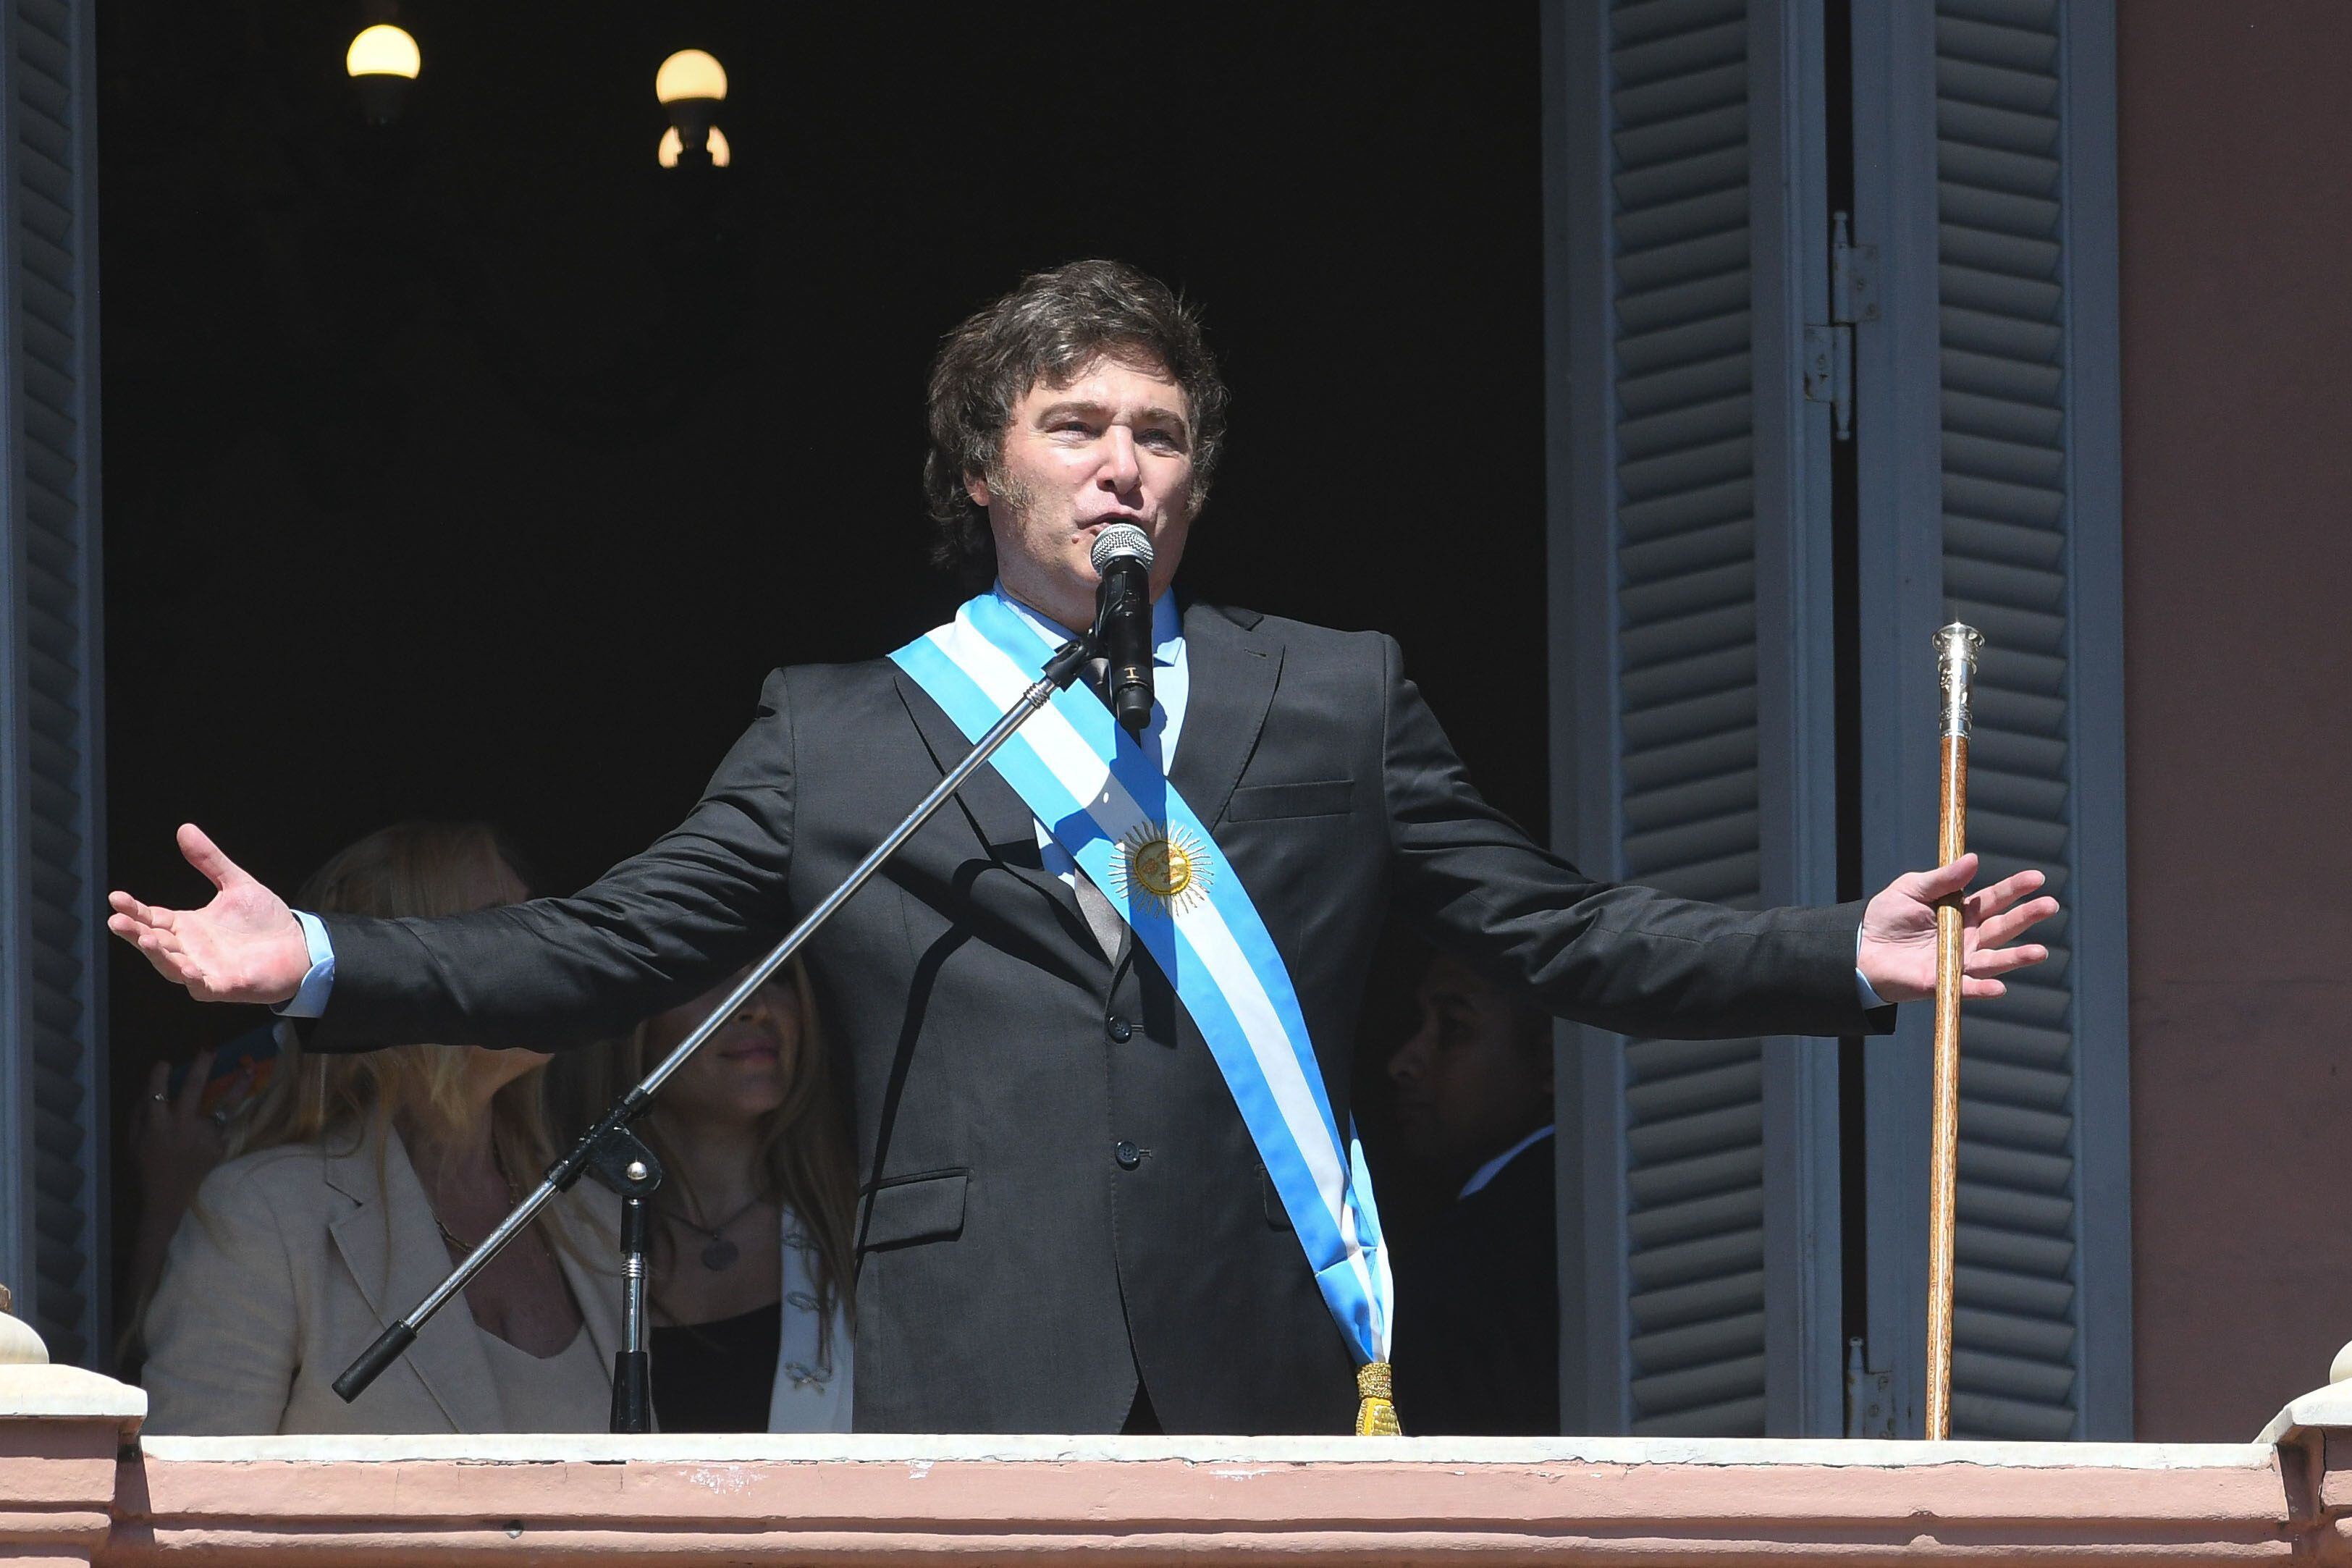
(715, 1376)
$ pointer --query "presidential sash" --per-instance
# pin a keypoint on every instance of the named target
(1134, 836)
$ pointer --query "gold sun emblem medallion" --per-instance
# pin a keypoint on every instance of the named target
(1166, 867)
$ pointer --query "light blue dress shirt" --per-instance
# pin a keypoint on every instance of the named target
(1171, 684)
(310, 1001)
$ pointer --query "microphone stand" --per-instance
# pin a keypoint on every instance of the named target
(614, 1154)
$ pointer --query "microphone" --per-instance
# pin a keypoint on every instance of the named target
(1122, 558)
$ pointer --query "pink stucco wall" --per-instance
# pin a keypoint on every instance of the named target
(2235, 151)
(67, 1497)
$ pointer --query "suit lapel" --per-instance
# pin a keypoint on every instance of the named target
(1006, 826)
(394, 1250)
(1234, 668)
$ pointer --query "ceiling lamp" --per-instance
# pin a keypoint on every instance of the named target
(691, 85)
(382, 62)
(672, 145)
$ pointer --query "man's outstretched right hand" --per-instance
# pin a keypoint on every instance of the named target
(243, 946)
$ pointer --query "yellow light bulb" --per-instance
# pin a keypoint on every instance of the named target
(383, 50)
(672, 145)
(689, 73)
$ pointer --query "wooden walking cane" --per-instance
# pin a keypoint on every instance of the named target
(1956, 656)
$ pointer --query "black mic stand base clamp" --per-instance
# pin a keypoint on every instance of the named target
(613, 1153)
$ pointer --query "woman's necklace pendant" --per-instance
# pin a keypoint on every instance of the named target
(721, 1254)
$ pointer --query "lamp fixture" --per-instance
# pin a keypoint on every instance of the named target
(382, 61)
(691, 85)
(690, 73)
(672, 145)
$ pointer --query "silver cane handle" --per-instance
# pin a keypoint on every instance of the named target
(1956, 647)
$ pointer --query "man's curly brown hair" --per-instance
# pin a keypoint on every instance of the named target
(1050, 329)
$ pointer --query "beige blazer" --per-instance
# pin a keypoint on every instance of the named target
(291, 1263)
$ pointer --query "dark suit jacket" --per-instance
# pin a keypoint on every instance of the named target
(1478, 1336)
(1014, 1275)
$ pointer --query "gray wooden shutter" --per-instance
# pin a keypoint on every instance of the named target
(1690, 533)
(52, 983)
(1990, 495)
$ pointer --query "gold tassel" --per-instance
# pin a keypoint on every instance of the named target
(1376, 1414)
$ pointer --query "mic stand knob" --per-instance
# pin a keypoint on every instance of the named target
(621, 1161)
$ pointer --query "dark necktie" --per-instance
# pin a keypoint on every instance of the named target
(1102, 920)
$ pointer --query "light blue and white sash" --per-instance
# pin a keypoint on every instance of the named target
(1133, 836)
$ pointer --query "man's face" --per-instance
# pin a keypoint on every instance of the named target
(1113, 445)
(1474, 1079)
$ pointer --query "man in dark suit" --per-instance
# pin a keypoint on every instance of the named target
(1477, 1345)
(1065, 1224)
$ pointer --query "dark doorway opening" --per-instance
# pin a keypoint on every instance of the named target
(482, 467)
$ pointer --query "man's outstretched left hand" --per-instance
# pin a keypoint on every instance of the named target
(1897, 951)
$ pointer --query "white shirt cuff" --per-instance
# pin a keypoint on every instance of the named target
(1863, 988)
(311, 1000)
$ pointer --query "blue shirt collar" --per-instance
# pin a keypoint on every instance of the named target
(1494, 1167)
(1167, 624)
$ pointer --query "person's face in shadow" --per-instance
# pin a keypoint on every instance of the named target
(1475, 1077)
(744, 1071)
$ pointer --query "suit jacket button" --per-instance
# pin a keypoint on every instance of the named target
(1127, 1155)
(1119, 1028)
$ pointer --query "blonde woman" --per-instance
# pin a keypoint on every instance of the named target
(353, 1186)
(751, 1279)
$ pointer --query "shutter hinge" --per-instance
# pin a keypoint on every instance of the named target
(1869, 1397)
(1828, 350)
(1829, 373)
(1854, 275)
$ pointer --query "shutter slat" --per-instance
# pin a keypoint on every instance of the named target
(1640, 20)
(2007, 1241)
(2025, 1375)
(1711, 1393)
(1687, 135)
(1711, 1341)
(1695, 174)
(2042, 13)
(2023, 381)
(2025, 46)
(1663, 1183)
(1679, 595)
(1996, 87)
(1701, 1258)
(1982, 125)
(1665, 1223)
(1734, 1418)
(1727, 1296)
(1690, 381)
(1694, 508)
(1998, 1082)
(1681, 426)
(1709, 757)
(2000, 1289)
(1735, 1121)
(2022, 1421)
(1706, 670)
(1680, 1094)
(1698, 798)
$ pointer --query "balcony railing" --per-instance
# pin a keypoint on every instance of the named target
(79, 1484)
